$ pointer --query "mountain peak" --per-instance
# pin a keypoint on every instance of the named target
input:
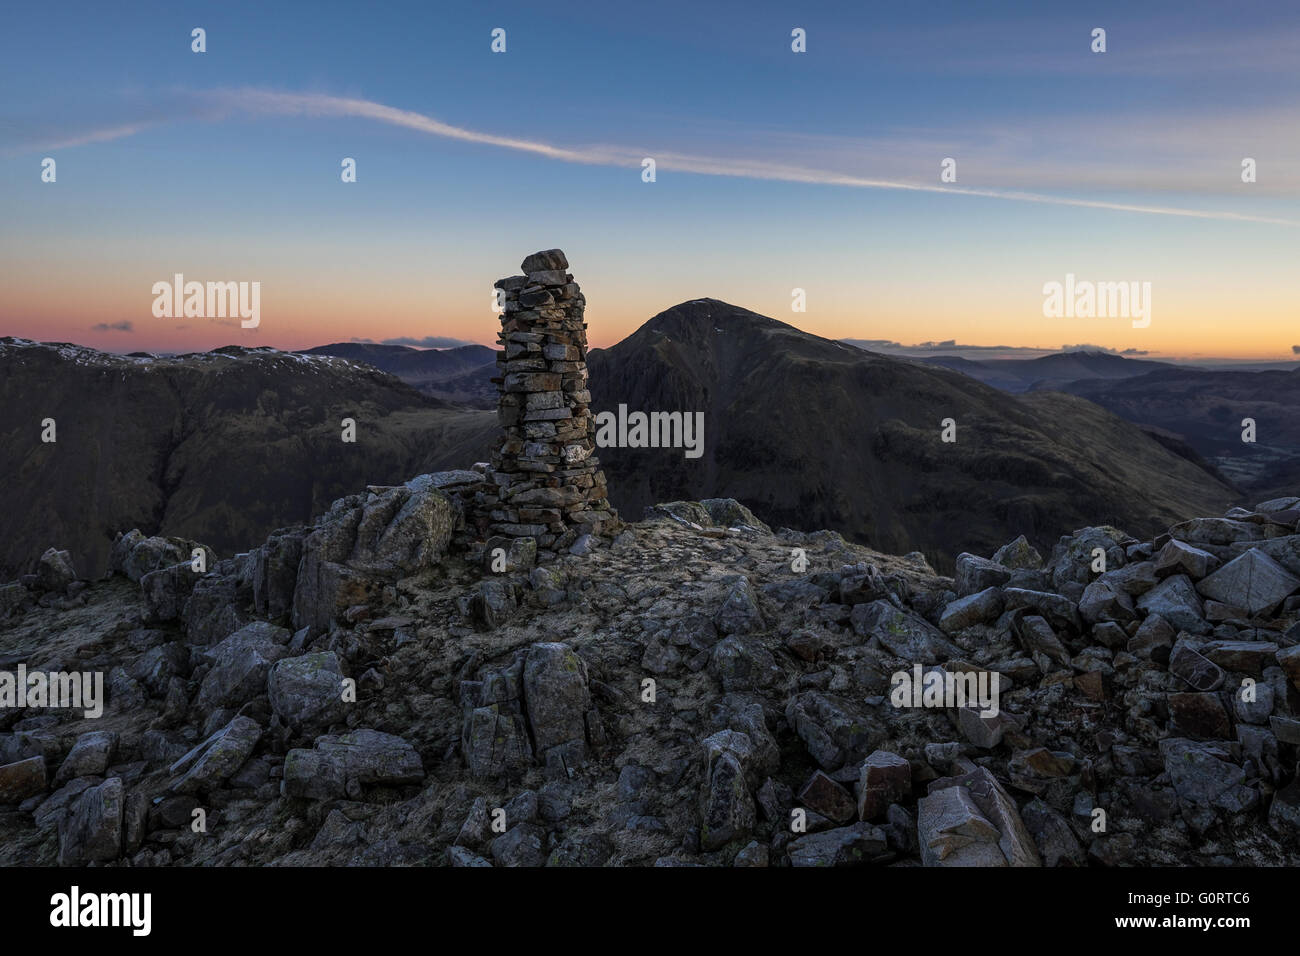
(699, 313)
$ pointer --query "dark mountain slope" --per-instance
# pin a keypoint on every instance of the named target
(1206, 408)
(814, 433)
(222, 446)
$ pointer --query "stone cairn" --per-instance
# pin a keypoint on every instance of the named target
(545, 483)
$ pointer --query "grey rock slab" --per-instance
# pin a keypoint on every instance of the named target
(1175, 599)
(240, 665)
(22, 779)
(92, 829)
(1193, 669)
(556, 695)
(1178, 557)
(885, 778)
(1250, 657)
(306, 692)
(832, 728)
(90, 756)
(853, 845)
(1253, 581)
(976, 608)
(905, 634)
(361, 757)
(953, 831)
(218, 758)
(1018, 555)
(977, 574)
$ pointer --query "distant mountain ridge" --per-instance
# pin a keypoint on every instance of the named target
(462, 374)
(1048, 371)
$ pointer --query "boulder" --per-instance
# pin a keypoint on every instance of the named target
(1289, 660)
(1278, 504)
(135, 555)
(306, 692)
(217, 759)
(978, 608)
(727, 809)
(739, 613)
(166, 592)
(495, 743)
(1056, 842)
(970, 820)
(905, 634)
(54, 571)
(824, 796)
(339, 764)
(1177, 557)
(493, 603)
(1199, 716)
(1056, 608)
(1074, 555)
(520, 846)
(90, 756)
(548, 260)
(1217, 531)
(555, 695)
(1195, 670)
(92, 829)
(834, 730)
(1104, 601)
(1250, 657)
(1018, 555)
(1176, 601)
(22, 779)
(730, 513)
(13, 596)
(240, 665)
(275, 572)
(952, 831)
(1153, 639)
(885, 778)
(1253, 581)
(1038, 638)
(853, 845)
(1284, 811)
(977, 574)
(740, 664)
(1205, 781)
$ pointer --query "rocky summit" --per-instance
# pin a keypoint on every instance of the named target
(490, 667)
(694, 688)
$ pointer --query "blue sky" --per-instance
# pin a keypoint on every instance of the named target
(226, 165)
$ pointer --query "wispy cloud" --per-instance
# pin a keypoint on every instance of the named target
(953, 348)
(225, 104)
(113, 327)
(103, 135)
(428, 342)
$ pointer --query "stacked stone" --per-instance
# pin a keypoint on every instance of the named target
(547, 483)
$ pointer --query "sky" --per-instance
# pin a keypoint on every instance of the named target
(774, 170)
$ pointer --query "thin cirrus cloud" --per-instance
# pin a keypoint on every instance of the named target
(426, 342)
(225, 104)
(113, 327)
